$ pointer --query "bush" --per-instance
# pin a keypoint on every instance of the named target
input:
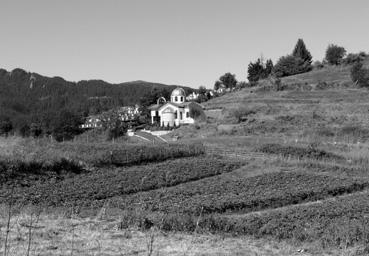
(242, 113)
(354, 131)
(5, 125)
(334, 54)
(353, 58)
(290, 65)
(318, 65)
(123, 155)
(298, 152)
(360, 75)
(23, 172)
(196, 111)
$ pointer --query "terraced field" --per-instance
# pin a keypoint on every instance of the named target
(293, 169)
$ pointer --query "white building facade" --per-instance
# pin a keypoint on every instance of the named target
(173, 113)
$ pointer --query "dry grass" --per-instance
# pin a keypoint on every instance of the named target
(56, 234)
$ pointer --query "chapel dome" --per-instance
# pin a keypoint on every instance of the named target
(178, 92)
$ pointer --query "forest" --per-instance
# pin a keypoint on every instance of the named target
(36, 105)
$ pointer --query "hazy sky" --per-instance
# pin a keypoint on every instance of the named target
(188, 42)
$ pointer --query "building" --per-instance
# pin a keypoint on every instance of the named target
(173, 113)
(129, 113)
(192, 96)
(92, 122)
(125, 114)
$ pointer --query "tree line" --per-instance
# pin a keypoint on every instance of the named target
(299, 61)
(35, 105)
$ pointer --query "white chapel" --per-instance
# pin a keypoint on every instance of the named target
(173, 113)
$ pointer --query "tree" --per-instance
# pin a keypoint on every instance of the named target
(360, 75)
(255, 71)
(334, 54)
(202, 90)
(228, 80)
(66, 125)
(290, 65)
(217, 85)
(152, 96)
(203, 94)
(352, 58)
(268, 68)
(301, 52)
(259, 70)
(113, 124)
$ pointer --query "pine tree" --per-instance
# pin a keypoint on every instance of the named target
(255, 71)
(259, 70)
(268, 67)
(300, 51)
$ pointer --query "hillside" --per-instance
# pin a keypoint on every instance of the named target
(22, 92)
(30, 99)
(285, 169)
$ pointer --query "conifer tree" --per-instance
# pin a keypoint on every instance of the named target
(258, 70)
(268, 67)
(255, 71)
(300, 51)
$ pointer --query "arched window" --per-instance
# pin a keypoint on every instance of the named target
(176, 99)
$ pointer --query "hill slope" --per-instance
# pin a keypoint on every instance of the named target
(320, 101)
(25, 95)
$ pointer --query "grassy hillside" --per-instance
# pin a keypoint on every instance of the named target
(283, 168)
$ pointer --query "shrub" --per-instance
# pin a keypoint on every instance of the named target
(242, 113)
(360, 75)
(122, 155)
(290, 65)
(318, 65)
(353, 58)
(354, 131)
(196, 111)
(299, 152)
(325, 132)
(5, 125)
(18, 171)
(334, 54)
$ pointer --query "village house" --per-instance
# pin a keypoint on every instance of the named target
(126, 114)
(92, 122)
(173, 113)
(192, 96)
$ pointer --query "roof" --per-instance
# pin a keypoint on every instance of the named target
(179, 105)
(155, 107)
(178, 92)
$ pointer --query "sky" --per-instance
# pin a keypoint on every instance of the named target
(187, 42)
